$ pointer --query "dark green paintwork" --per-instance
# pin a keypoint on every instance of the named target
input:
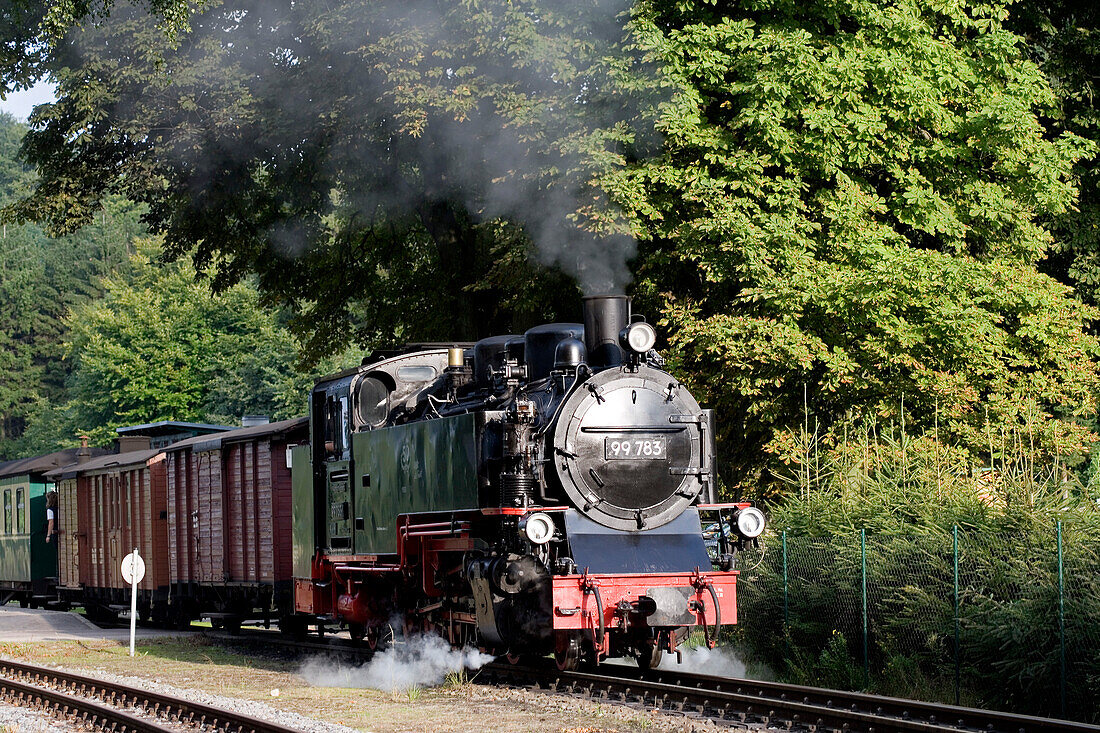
(25, 556)
(418, 467)
(301, 473)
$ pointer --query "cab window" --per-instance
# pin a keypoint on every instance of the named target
(20, 512)
(336, 427)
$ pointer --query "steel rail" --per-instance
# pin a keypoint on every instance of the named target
(734, 699)
(82, 711)
(73, 689)
(770, 703)
(958, 716)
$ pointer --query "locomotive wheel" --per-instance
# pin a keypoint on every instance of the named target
(569, 659)
(513, 658)
(649, 656)
(372, 638)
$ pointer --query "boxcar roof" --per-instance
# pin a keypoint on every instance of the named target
(45, 463)
(169, 426)
(111, 460)
(214, 442)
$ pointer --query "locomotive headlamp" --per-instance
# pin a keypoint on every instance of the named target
(750, 522)
(538, 527)
(639, 337)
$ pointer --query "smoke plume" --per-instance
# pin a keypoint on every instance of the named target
(287, 121)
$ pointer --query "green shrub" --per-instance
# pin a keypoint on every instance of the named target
(802, 608)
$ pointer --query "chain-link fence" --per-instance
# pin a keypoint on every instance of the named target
(1000, 621)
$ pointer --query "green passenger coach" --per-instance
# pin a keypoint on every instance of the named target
(28, 563)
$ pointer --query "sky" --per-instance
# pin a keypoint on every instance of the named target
(20, 104)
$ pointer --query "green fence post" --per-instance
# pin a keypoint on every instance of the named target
(866, 658)
(786, 600)
(1061, 620)
(786, 604)
(955, 551)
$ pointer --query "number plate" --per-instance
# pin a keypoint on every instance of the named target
(630, 448)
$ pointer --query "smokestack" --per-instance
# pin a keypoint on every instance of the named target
(85, 453)
(604, 317)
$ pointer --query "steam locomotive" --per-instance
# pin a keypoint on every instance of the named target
(529, 494)
(526, 494)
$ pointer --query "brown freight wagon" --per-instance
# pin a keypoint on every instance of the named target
(229, 523)
(109, 506)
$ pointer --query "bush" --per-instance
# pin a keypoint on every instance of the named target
(802, 606)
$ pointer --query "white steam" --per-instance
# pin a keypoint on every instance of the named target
(720, 662)
(422, 660)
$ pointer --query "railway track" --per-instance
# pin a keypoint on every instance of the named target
(116, 707)
(771, 704)
(735, 702)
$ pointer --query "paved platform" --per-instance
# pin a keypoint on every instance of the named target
(27, 624)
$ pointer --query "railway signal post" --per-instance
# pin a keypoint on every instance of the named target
(133, 570)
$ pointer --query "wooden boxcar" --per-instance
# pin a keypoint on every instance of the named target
(229, 523)
(110, 506)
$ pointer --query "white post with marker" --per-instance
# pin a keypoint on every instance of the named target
(133, 570)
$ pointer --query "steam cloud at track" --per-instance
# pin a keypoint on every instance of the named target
(421, 660)
(720, 661)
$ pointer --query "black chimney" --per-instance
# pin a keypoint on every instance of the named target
(604, 317)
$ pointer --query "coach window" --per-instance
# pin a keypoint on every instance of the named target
(7, 512)
(20, 513)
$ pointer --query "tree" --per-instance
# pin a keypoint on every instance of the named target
(41, 278)
(160, 346)
(334, 150)
(1063, 37)
(29, 31)
(847, 218)
(839, 204)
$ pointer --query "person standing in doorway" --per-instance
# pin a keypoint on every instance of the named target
(51, 516)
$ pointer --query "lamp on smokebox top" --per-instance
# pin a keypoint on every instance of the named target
(639, 337)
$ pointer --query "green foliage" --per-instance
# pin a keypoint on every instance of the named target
(400, 160)
(29, 31)
(160, 346)
(40, 279)
(847, 198)
(908, 494)
(852, 199)
(1063, 36)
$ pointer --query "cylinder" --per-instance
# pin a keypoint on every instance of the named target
(604, 317)
(517, 489)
